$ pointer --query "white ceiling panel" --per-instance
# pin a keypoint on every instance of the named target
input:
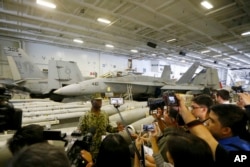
(134, 23)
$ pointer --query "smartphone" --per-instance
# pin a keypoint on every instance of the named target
(116, 101)
(170, 99)
(147, 127)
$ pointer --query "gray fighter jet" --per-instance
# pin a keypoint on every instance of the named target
(136, 85)
(39, 84)
(122, 83)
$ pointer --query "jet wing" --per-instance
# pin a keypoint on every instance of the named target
(182, 87)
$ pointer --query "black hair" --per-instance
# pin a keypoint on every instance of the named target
(204, 100)
(230, 115)
(25, 136)
(114, 151)
(174, 113)
(189, 149)
(40, 155)
(224, 94)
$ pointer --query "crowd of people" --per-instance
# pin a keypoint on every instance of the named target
(202, 134)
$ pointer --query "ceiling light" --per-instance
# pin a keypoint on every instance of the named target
(134, 51)
(109, 46)
(205, 51)
(206, 4)
(46, 3)
(78, 40)
(102, 20)
(169, 58)
(245, 33)
(194, 56)
(217, 55)
(226, 58)
(171, 40)
(153, 54)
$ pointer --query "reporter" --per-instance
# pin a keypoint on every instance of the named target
(114, 151)
(27, 135)
(181, 148)
(220, 155)
(40, 155)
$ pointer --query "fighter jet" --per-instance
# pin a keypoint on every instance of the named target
(137, 86)
(39, 84)
(122, 83)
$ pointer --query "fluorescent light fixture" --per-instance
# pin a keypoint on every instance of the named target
(102, 20)
(78, 40)
(194, 56)
(153, 54)
(134, 51)
(169, 58)
(205, 51)
(209, 60)
(183, 61)
(217, 55)
(245, 33)
(109, 46)
(222, 64)
(171, 40)
(206, 4)
(46, 3)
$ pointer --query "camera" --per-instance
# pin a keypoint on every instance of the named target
(10, 117)
(73, 144)
(147, 127)
(116, 101)
(154, 103)
(170, 99)
(237, 89)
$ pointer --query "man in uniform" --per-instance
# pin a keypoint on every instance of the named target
(99, 121)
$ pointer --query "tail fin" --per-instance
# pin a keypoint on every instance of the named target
(63, 73)
(188, 75)
(166, 74)
(22, 66)
(208, 77)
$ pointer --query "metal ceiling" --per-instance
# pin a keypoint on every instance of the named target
(134, 23)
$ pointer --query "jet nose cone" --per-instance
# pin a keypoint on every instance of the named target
(70, 90)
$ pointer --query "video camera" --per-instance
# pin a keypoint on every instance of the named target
(237, 89)
(73, 144)
(154, 103)
(10, 117)
(170, 99)
(167, 99)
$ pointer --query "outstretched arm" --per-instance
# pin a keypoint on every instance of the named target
(199, 130)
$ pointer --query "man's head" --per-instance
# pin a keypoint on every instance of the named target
(180, 146)
(226, 120)
(40, 155)
(96, 102)
(172, 117)
(200, 106)
(222, 96)
(26, 136)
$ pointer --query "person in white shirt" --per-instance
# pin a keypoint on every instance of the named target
(223, 96)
